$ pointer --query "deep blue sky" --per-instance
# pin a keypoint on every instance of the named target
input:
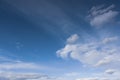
(32, 31)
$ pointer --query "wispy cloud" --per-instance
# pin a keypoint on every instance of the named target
(23, 76)
(109, 74)
(110, 71)
(8, 64)
(29, 76)
(110, 39)
(6, 59)
(100, 16)
(92, 78)
(20, 70)
(19, 65)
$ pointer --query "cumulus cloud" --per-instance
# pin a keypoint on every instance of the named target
(100, 16)
(94, 53)
(102, 53)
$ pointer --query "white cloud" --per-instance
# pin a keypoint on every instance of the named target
(94, 53)
(101, 54)
(111, 39)
(73, 38)
(10, 64)
(28, 76)
(94, 78)
(2, 58)
(72, 74)
(19, 70)
(100, 16)
(110, 71)
(109, 74)
(19, 65)
(108, 60)
(23, 76)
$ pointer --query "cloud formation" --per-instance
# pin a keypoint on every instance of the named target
(23, 76)
(19, 65)
(100, 16)
(92, 78)
(95, 53)
(99, 53)
(20, 70)
(109, 74)
(73, 38)
(10, 64)
(110, 71)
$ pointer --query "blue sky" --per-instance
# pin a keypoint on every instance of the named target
(59, 39)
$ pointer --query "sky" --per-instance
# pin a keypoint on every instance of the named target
(59, 40)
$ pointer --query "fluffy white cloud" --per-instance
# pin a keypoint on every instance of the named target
(102, 53)
(94, 53)
(73, 38)
(100, 16)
